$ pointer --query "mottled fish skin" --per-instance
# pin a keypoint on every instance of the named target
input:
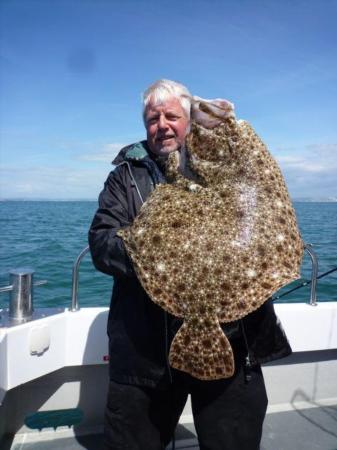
(218, 241)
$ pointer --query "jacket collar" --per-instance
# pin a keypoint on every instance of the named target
(140, 154)
(133, 152)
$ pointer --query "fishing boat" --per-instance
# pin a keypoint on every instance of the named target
(54, 375)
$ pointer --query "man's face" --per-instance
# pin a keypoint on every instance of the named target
(166, 125)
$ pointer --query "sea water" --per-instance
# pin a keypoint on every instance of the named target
(48, 235)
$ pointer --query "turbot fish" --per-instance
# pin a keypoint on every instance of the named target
(215, 242)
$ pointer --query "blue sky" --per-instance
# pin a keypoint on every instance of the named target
(72, 74)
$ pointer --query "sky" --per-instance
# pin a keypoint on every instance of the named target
(72, 74)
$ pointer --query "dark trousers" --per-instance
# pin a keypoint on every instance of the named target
(228, 414)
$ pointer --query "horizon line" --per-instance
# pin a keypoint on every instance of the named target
(330, 199)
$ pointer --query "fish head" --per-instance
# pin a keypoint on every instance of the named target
(213, 125)
(210, 143)
(211, 113)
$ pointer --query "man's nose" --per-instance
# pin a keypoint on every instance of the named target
(162, 123)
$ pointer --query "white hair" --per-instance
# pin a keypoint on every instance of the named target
(162, 90)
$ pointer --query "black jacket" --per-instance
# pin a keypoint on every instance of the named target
(139, 331)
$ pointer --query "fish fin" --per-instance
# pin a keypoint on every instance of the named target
(203, 352)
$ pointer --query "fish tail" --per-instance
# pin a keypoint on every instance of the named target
(202, 351)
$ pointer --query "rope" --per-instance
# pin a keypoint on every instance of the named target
(305, 283)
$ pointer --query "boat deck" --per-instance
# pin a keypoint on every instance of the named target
(303, 429)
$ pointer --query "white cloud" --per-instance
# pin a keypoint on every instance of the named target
(317, 158)
(301, 164)
(52, 182)
(310, 172)
(81, 175)
(25, 188)
(106, 154)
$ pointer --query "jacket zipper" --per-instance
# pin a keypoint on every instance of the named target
(134, 183)
(248, 364)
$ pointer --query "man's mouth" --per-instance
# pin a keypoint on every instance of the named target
(164, 138)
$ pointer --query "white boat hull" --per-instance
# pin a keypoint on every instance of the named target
(59, 362)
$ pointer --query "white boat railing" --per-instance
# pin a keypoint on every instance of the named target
(314, 273)
(308, 247)
(74, 297)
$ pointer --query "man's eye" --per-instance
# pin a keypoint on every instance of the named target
(152, 120)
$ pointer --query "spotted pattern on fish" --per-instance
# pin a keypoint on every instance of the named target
(216, 242)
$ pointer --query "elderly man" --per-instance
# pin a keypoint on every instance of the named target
(146, 396)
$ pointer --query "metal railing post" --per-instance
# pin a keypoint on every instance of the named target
(74, 300)
(314, 272)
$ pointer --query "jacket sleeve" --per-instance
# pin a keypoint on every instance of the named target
(107, 249)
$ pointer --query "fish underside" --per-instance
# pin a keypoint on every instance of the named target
(213, 247)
